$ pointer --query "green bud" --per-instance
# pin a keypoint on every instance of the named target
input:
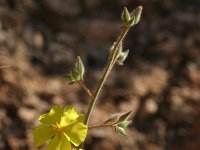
(131, 21)
(133, 18)
(125, 16)
(80, 67)
(137, 14)
(121, 131)
(111, 48)
(121, 126)
(71, 78)
(124, 124)
(75, 75)
(119, 50)
(112, 119)
(77, 72)
(118, 118)
(123, 56)
(124, 116)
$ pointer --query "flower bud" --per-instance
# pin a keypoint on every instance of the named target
(124, 124)
(80, 67)
(112, 119)
(125, 16)
(121, 131)
(123, 56)
(131, 21)
(119, 50)
(75, 75)
(133, 18)
(137, 14)
(117, 118)
(124, 116)
(77, 72)
(121, 126)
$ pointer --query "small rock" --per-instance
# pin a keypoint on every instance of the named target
(151, 106)
(27, 114)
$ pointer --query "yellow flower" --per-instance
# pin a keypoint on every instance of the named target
(63, 126)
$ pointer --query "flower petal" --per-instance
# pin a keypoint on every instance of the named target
(53, 116)
(70, 115)
(76, 133)
(65, 145)
(42, 134)
(80, 118)
(54, 144)
(59, 142)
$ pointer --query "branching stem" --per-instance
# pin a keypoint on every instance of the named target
(107, 70)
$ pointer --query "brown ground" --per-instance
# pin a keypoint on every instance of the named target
(160, 81)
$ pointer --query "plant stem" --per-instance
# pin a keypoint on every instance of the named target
(86, 89)
(100, 126)
(108, 68)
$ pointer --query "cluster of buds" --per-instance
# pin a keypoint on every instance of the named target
(119, 122)
(77, 72)
(130, 19)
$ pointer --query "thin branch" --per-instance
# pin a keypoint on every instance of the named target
(101, 126)
(86, 89)
(108, 69)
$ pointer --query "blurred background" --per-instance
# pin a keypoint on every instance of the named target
(160, 81)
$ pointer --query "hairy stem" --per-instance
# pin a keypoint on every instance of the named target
(107, 70)
(100, 126)
(86, 89)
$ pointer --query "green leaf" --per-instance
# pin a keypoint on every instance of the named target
(53, 117)
(41, 134)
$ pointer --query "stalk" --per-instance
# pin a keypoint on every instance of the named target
(107, 71)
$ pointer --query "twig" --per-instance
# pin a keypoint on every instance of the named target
(101, 126)
(108, 68)
(86, 89)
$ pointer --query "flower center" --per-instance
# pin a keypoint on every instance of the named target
(57, 128)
